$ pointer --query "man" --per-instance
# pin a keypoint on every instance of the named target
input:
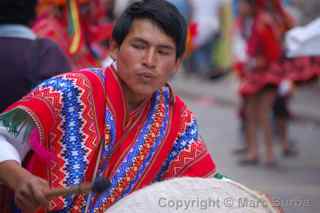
(123, 123)
(25, 60)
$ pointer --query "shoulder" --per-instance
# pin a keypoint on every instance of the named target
(84, 78)
(186, 116)
(51, 54)
(46, 44)
(176, 101)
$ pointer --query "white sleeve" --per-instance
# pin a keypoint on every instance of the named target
(13, 148)
(8, 151)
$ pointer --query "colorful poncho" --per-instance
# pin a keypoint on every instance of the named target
(86, 130)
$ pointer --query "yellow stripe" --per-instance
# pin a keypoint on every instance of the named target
(77, 34)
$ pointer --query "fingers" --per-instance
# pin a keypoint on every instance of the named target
(24, 200)
(39, 192)
(31, 195)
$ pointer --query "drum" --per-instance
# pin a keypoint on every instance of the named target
(192, 195)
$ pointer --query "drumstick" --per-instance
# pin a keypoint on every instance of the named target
(99, 185)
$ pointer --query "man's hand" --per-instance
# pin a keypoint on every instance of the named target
(29, 190)
(30, 194)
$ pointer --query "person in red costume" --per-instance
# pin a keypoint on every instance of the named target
(262, 30)
(77, 26)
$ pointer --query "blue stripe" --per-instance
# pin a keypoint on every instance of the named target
(74, 152)
(155, 146)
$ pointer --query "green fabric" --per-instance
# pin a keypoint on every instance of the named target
(15, 121)
(218, 176)
(222, 51)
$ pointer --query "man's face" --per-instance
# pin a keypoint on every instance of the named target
(146, 59)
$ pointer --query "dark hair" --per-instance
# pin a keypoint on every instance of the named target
(162, 13)
(17, 11)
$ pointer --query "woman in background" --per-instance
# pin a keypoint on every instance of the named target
(258, 88)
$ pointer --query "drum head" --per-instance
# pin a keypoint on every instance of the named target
(194, 195)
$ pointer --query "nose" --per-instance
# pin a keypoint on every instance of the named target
(149, 59)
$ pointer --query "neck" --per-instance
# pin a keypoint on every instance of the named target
(133, 100)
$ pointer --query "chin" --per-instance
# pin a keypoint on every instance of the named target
(145, 92)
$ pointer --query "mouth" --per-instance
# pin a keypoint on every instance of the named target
(146, 76)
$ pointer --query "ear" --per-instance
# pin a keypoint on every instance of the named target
(114, 50)
(177, 65)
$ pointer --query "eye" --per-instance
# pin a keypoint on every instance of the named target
(164, 52)
(138, 46)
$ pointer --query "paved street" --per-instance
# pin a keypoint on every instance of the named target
(296, 181)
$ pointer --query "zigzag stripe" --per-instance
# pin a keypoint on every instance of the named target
(78, 133)
(186, 156)
(188, 135)
(89, 129)
(54, 99)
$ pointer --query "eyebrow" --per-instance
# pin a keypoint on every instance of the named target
(163, 46)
